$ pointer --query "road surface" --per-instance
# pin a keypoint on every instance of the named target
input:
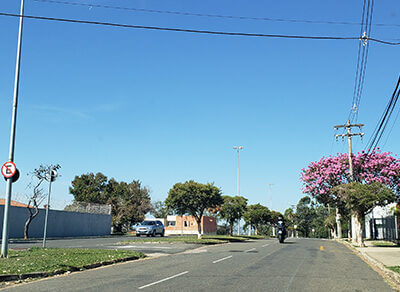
(263, 265)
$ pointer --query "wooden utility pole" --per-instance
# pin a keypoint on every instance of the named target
(349, 135)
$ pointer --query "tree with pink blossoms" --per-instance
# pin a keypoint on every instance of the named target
(320, 177)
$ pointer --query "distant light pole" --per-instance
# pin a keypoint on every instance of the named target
(238, 148)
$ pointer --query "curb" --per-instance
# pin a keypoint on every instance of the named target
(391, 276)
(16, 277)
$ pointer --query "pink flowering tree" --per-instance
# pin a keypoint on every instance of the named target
(320, 177)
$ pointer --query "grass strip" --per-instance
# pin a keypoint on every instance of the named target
(384, 244)
(38, 259)
(206, 239)
(395, 269)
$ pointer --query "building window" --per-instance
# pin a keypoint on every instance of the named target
(186, 224)
(171, 223)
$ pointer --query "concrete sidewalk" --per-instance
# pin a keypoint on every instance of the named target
(388, 256)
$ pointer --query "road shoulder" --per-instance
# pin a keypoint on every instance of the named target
(390, 276)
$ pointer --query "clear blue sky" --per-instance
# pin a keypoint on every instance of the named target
(166, 107)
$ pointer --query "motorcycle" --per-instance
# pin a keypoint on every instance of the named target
(281, 235)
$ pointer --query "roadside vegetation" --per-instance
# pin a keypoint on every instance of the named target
(395, 269)
(206, 239)
(384, 244)
(38, 259)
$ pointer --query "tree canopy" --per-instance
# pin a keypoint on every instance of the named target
(257, 215)
(160, 210)
(320, 177)
(129, 201)
(232, 209)
(193, 198)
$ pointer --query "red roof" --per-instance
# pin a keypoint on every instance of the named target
(14, 203)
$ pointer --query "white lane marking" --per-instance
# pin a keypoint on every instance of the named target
(265, 245)
(163, 280)
(220, 260)
(251, 249)
(144, 247)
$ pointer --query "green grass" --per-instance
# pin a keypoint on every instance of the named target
(384, 244)
(395, 269)
(207, 239)
(38, 259)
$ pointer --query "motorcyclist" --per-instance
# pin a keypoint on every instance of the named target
(281, 226)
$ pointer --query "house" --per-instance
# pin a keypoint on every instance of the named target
(380, 223)
(188, 225)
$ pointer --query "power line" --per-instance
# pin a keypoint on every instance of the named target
(211, 15)
(195, 30)
(383, 121)
(362, 57)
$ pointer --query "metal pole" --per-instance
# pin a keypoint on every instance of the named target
(4, 241)
(238, 187)
(47, 211)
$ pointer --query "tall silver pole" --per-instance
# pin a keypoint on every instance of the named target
(238, 186)
(4, 241)
(47, 210)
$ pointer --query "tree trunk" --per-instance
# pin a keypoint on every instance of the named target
(255, 230)
(353, 230)
(249, 230)
(339, 224)
(231, 228)
(273, 231)
(349, 230)
(358, 229)
(29, 220)
(200, 233)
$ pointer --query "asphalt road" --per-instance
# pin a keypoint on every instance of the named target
(107, 243)
(263, 265)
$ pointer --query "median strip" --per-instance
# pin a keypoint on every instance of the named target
(220, 260)
(163, 280)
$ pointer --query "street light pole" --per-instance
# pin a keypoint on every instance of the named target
(238, 148)
(4, 241)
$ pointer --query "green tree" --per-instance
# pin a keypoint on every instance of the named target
(160, 210)
(129, 201)
(305, 214)
(361, 199)
(232, 209)
(193, 198)
(255, 216)
(89, 188)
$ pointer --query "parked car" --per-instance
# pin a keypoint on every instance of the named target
(150, 227)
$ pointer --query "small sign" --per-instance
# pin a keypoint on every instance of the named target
(8, 169)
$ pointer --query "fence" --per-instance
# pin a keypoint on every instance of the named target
(384, 228)
(60, 223)
(91, 208)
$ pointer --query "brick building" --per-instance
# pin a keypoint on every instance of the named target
(188, 225)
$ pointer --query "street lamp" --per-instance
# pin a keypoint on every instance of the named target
(238, 148)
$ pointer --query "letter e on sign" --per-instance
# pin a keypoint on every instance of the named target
(8, 169)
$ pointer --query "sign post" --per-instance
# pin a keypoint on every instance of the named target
(51, 176)
(4, 241)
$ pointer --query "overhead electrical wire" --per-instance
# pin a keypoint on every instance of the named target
(197, 31)
(362, 57)
(90, 5)
(384, 120)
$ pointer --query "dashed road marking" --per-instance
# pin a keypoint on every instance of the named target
(265, 245)
(251, 249)
(220, 260)
(163, 280)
